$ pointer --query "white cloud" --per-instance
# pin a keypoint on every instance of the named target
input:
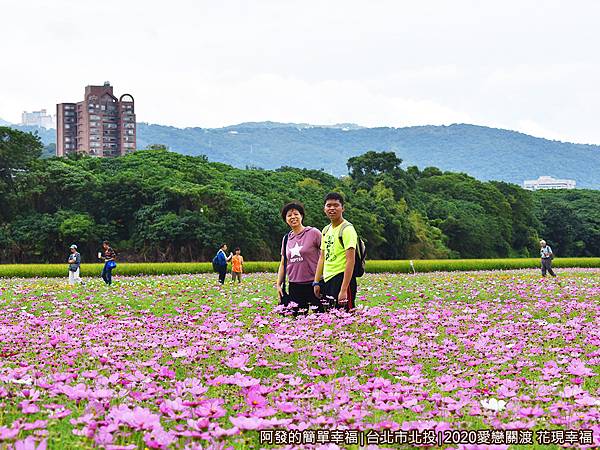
(266, 96)
(376, 63)
(535, 129)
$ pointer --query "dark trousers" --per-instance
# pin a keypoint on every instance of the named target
(107, 274)
(547, 267)
(222, 275)
(303, 294)
(331, 290)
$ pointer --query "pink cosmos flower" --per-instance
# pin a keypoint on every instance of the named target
(570, 391)
(286, 407)
(535, 411)
(247, 423)
(505, 392)
(38, 424)
(104, 435)
(211, 408)
(77, 392)
(137, 418)
(255, 399)
(28, 407)
(159, 438)
(199, 424)
(577, 367)
(238, 362)
(8, 433)
(30, 444)
(588, 400)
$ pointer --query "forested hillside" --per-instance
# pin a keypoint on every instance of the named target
(158, 205)
(482, 152)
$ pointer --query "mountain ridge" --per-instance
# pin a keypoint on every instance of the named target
(483, 152)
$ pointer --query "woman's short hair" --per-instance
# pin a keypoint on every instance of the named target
(292, 205)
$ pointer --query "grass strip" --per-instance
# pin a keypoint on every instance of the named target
(396, 266)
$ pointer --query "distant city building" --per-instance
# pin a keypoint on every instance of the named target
(101, 125)
(37, 119)
(548, 183)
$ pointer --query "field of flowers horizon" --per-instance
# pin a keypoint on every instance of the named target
(372, 266)
(462, 360)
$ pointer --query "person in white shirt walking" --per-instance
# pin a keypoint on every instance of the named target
(74, 264)
(547, 257)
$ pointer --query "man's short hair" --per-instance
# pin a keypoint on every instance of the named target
(334, 196)
(292, 205)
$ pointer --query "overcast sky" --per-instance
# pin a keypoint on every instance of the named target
(525, 65)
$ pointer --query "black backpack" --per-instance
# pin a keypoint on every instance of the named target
(361, 250)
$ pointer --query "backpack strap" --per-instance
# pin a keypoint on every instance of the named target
(345, 225)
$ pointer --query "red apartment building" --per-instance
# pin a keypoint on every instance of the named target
(101, 125)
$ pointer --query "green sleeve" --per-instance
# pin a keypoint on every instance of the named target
(349, 237)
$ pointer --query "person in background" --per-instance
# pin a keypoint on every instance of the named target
(547, 257)
(109, 257)
(220, 261)
(74, 261)
(237, 265)
(334, 277)
(299, 258)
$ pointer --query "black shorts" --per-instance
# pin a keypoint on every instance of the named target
(331, 290)
(304, 295)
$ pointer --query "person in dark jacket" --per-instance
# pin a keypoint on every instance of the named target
(109, 257)
(220, 260)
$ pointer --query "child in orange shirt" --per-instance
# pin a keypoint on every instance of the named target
(237, 265)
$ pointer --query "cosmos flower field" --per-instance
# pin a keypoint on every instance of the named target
(472, 360)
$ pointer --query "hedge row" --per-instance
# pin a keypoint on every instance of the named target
(92, 270)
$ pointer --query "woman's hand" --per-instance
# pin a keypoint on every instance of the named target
(279, 292)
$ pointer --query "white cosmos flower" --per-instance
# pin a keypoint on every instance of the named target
(25, 381)
(493, 404)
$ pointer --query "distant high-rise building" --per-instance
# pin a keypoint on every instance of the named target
(548, 183)
(100, 125)
(37, 119)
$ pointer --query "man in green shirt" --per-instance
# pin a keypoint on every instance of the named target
(334, 279)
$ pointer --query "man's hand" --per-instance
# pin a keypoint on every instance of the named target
(317, 290)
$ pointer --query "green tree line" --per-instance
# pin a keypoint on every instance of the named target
(156, 205)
